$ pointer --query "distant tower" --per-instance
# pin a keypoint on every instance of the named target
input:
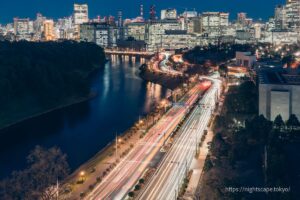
(142, 11)
(105, 19)
(111, 20)
(120, 20)
(152, 13)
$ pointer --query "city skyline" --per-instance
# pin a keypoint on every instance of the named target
(150, 100)
(29, 8)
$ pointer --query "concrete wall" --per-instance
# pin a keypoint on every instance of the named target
(280, 104)
(279, 99)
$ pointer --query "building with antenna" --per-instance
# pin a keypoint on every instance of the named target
(142, 11)
(152, 13)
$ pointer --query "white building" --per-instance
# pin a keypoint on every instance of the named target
(280, 37)
(280, 17)
(279, 93)
(155, 30)
(245, 59)
(136, 30)
(178, 39)
(214, 24)
(293, 14)
(23, 28)
(168, 14)
(257, 30)
(81, 14)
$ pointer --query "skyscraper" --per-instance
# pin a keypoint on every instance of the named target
(22, 28)
(48, 30)
(293, 14)
(81, 14)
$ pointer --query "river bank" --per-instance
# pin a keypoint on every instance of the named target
(165, 80)
(92, 172)
(39, 77)
(96, 168)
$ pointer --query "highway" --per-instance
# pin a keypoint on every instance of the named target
(160, 65)
(165, 68)
(170, 175)
(121, 179)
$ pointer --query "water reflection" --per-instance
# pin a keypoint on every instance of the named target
(82, 130)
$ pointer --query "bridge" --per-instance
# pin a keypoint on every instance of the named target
(129, 53)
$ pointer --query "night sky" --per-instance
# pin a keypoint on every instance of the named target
(59, 8)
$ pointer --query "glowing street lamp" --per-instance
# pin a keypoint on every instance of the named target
(118, 140)
(164, 104)
(82, 174)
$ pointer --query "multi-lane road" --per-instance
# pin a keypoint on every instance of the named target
(122, 178)
(166, 183)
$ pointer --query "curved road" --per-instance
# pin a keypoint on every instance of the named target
(122, 178)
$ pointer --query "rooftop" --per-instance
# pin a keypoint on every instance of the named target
(278, 76)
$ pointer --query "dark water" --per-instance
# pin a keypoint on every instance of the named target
(84, 129)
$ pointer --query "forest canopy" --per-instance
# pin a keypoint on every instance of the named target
(37, 76)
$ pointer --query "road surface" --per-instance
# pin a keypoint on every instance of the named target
(121, 179)
(170, 175)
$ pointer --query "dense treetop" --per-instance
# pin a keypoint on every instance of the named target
(45, 74)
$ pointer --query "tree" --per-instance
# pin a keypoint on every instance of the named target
(37, 76)
(137, 187)
(219, 147)
(131, 194)
(223, 69)
(293, 122)
(141, 181)
(207, 164)
(38, 181)
(288, 60)
(278, 122)
(259, 127)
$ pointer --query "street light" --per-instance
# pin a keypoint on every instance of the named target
(164, 104)
(117, 140)
(81, 174)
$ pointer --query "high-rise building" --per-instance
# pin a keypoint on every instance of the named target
(22, 28)
(81, 14)
(257, 30)
(155, 30)
(214, 24)
(120, 19)
(103, 34)
(136, 30)
(280, 17)
(48, 33)
(293, 14)
(241, 17)
(168, 14)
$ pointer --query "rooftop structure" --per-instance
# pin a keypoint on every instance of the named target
(279, 93)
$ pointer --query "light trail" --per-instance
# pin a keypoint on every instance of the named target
(166, 183)
(121, 179)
